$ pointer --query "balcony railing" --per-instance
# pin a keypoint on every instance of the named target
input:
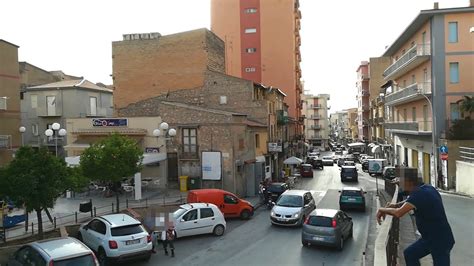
(408, 94)
(316, 106)
(316, 117)
(415, 127)
(414, 57)
(316, 127)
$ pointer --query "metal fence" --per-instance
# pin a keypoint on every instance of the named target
(466, 154)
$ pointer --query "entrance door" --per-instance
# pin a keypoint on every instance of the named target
(414, 158)
(173, 170)
(426, 168)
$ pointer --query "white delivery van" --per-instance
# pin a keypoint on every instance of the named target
(376, 166)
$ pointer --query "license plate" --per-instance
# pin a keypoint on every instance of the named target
(350, 199)
(349, 177)
(317, 238)
(132, 242)
(281, 219)
(275, 195)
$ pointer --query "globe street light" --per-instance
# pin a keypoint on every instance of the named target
(50, 132)
(22, 130)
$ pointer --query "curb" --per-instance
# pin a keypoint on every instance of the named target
(454, 193)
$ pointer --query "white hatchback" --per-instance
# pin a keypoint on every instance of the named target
(197, 219)
(116, 237)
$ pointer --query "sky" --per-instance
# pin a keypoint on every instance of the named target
(76, 36)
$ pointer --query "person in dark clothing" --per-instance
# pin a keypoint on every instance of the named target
(168, 237)
(436, 236)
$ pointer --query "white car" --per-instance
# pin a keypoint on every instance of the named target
(292, 208)
(197, 219)
(116, 237)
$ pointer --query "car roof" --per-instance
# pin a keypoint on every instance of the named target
(305, 164)
(277, 183)
(324, 212)
(208, 190)
(58, 248)
(352, 188)
(119, 219)
(348, 166)
(190, 206)
(295, 192)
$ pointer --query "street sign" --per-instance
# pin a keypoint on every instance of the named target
(443, 149)
(444, 156)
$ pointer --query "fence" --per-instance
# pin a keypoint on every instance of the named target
(466, 154)
(30, 229)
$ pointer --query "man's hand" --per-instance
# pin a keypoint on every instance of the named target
(380, 216)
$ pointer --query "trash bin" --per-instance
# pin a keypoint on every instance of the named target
(194, 183)
(85, 206)
(183, 183)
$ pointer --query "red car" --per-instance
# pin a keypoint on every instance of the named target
(306, 170)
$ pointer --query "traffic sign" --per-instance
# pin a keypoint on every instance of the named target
(444, 156)
(443, 149)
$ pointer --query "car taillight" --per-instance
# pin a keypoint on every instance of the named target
(148, 238)
(334, 223)
(307, 220)
(113, 244)
(51, 263)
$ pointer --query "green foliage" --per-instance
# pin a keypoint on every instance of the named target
(467, 105)
(462, 130)
(111, 159)
(77, 181)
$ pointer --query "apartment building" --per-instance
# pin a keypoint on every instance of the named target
(363, 104)
(431, 70)
(9, 101)
(377, 66)
(352, 114)
(315, 109)
(262, 44)
(340, 127)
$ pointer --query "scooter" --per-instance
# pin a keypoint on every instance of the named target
(268, 200)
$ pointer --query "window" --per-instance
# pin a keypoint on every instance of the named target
(320, 221)
(425, 117)
(412, 43)
(93, 105)
(404, 83)
(413, 79)
(251, 50)
(250, 10)
(86, 260)
(398, 115)
(413, 114)
(229, 199)
(223, 100)
(190, 140)
(423, 38)
(404, 114)
(250, 30)
(425, 75)
(191, 216)
(250, 69)
(34, 101)
(51, 105)
(126, 230)
(29, 256)
(454, 72)
(257, 140)
(455, 113)
(206, 213)
(452, 32)
(34, 129)
(3, 103)
(97, 226)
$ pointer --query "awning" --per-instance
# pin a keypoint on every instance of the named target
(376, 149)
(108, 131)
(293, 161)
(260, 159)
(148, 158)
(73, 161)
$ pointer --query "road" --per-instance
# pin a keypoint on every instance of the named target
(257, 242)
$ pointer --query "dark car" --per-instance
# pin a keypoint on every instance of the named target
(352, 198)
(388, 172)
(306, 170)
(327, 227)
(365, 166)
(349, 173)
(276, 189)
(317, 164)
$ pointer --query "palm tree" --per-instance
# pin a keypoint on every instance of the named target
(467, 105)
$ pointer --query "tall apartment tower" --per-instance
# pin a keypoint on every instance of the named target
(262, 43)
(363, 100)
(315, 109)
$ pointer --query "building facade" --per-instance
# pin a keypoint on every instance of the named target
(315, 109)
(377, 66)
(262, 44)
(9, 101)
(363, 103)
(431, 70)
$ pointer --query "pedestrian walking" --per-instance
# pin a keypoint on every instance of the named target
(436, 236)
(168, 237)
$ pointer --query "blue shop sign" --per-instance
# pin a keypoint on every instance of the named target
(109, 122)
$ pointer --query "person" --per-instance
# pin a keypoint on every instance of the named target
(168, 237)
(436, 236)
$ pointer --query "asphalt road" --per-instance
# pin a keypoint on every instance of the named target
(257, 242)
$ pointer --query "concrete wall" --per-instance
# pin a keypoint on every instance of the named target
(465, 177)
(453, 156)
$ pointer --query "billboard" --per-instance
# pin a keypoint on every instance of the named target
(109, 122)
(211, 165)
(275, 147)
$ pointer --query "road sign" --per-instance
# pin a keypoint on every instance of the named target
(444, 156)
(443, 149)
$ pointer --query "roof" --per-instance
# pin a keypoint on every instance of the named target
(352, 188)
(121, 219)
(77, 83)
(2, 40)
(325, 212)
(295, 192)
(415, 25)
(207, 190)
(61, 247)
(197, 205)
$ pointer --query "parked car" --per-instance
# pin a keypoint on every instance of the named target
(276, 189)
(389, 172)
(338, 151)
(56, 251)
(314, 153)
(365, 166)
(229, 204)
(116, 237)
(197, 219)
(327, 227)
(349, 173)
(352, 197)
(349, 163)
(327, 160)
(306, 170)
(292, 208)
(318, 164)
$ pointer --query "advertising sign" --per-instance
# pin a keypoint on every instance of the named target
(211, 165)
(152, 150)
(109, 122)
(275, 147)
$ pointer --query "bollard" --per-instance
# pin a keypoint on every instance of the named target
(32, 229)
(126, 203)
(95, 212)
(75, 216)
(54, 222)
(90, 200)
(112, 208)
(146, 202)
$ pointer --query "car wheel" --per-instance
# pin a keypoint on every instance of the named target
(245, 214)
(219, 230)
(341, 244)
(79, 236)
(304, 243)
(102, 257)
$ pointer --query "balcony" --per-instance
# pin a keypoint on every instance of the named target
(410, 127)
(314, 137)
(316, 117)
(316, 106)
(378, 120)
(282, 117)
(417, 55)
(411, 93)
(315, 127)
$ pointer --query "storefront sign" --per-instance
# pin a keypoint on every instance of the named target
(275, 147)
(152, 150)
(110, 122)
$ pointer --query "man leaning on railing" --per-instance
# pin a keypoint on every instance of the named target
(436, 236)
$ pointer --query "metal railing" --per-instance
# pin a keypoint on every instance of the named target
(409, 126)
(466, 154)
(407, 58)
(406, 94)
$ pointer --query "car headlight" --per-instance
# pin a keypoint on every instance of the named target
(272, 213)
(296, 215)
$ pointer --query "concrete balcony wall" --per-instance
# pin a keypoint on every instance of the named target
(412, 58)
(408, 94)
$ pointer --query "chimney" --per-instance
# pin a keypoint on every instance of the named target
(436, 5)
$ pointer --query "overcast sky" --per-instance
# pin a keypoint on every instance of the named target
(76, 36)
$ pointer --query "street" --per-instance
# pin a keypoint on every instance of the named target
(257, 242)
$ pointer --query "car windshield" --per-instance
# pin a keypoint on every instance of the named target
(348, 170)
(320, 221)
(127, 230)
(276, 188)
(290, 201)
(307, 168)
(351, 193)
(87, 260)
(178, 213)
(327, 158)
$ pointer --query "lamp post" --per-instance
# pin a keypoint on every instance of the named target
(22, 130)
(433, 139)
(61, 133)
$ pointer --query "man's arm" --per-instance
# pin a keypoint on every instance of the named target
(396, 212)
(395, 205)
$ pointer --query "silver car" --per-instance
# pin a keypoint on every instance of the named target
(292, 208)
(327, 227)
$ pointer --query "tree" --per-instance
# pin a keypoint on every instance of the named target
(467, 105)
(35, 179)
(110, 160)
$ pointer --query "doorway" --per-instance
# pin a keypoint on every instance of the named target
(414, 159)
(405, 156)
(173, 170)
(426, 168)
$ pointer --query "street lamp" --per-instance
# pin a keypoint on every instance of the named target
(433, 139)
(50, 132)
(22, 130)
